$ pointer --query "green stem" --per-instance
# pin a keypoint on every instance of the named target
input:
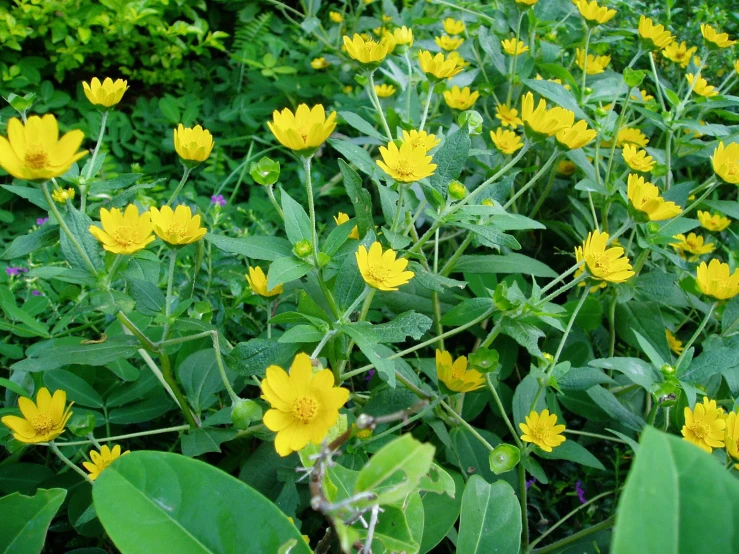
(533, 180)
(657, 84)
(614, 140)
(515, 60)
(378, 106)
(185, 175)
(557, 546)
(408, 86)
(131, 435)
(221, 367)
(585, 65)
(273, 200)
(311, 208)
(697, 333)
(426, 107)
(498, 403)
(113, 268)
(545, 193)
(467, 426)
(569, 515)
(522, 493)
(68, 462)
(168, 301)
(594, 436)
(172, 382)
(131, 326)
(84, 188)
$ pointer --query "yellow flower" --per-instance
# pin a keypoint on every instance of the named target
(675, 344)
(452, 26)
(34, 151)
(319, 63)
(348, 89)
(304, 405)
(445, 42)
(679, 53)
(725, 162)
(542, 430)
(455, 375)
(701, 86)
(506, 141)
(107, 94)
(387, 18)
(43, 420)
(713, 222)
(381, 270)
(558, 81)
(459, 60)
(383, 91)
(732, 436)
(193, 145)
(508, 116)
(593, 13)
(566, 167)
(460, 99)
(389, 37)
(692, 244)
(123, 233)
(513, 48)
(542, 121)
(527, 2)
(736, 66)
(715, 280)
(61, 196)
(580, 270)
(336, 17)
(605, 264)
(342, 218)
(366, 51)
(403, 36)
(704, 426)
(177, 227)
(438, 66)
(303, 131)
(644, 96)
(653, 36)
(258, 282)
(406, 164)
(631, 136)
(420, 139)
(576, 136)
(714, 38)
(638, 160)
(596, 64)
(644, 196)
(102, 459)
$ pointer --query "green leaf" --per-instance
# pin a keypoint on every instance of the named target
(33, 326)
(357, 156)
(438, 481)
(727, 207)
(170, 110)
(574, 452)
(525, 334)
(558, 94)
(254, 356)
(523, 399)
(646, 319)
(362, 126)
(149, 298)
(491, 518)
(608, 402)
(26, 519)
(302, 334)
(162, 502)
(582, 378)
(360, 198)
(367, 342)
(297, 222)
(201, 378)
(140, 412)
(79, 224)
(22, 477)
(677, 499)
(638, 371)
(470, 455)
(337, 237)
(23, 245)
(395, 470)
(78, 390)
(433, 281)
(450, 159)
(490, 236)
(710, 362)
(440, 514)
(285, 270)
(407, 324)
(466, 311)
(32, 194)
(508, 263)
(52, 354)
(202, 440)
(349, 283)
(257, 248)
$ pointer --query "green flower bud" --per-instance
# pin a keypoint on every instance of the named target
(653, 227)
(601, 112)
(665, 394)
(667, 369)
(81, 423)
(303, 248)
(244, 412)
(504, 458)
(265, 171)
(473, 120)
(457, 190)
(633, 77)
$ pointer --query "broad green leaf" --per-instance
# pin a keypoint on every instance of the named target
(582, 378)
(710, 362)
(142, 411)
(78, 390)
(302, 334)
(489, 236)
(22, 477)
(79, 224)
(466, 311)
(638, 371)
(32, 325)
(258, 248)
(337, 237)
(490, 519)
(149, 298)
(25, 244)
(440, 513)
(437, 481)
(362, 125)
(574, 452)
(297, 222)
(51, 356)
(608, 402)
(407, 324)
(508, 263)
(525, 334)
(357, 156)
(349, 283)
(360, 198)
(201, 378)
(557, 94)
(26, 519)
(523, 399)
(367, 342)
(32, 194)
(646, 319)
(254, 356)
(285, 270)
(392, 530)
(450, 159)
(162, 502)
(205, 439)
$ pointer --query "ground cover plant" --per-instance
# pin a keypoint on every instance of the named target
(368, 277)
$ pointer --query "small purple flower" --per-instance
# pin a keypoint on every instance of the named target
(13, 271)
(580, 492)
(218, 200)
(41, 220)
(370, 373)
(530, 482)
(35, 292)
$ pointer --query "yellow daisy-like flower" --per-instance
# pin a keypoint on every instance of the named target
(679, 53)
(336, 17)
(405, 164)
(644, 196)
(566, 167)
(438, 67)
(704, 426)
(692, 244)
(654, 37)
(580, 270)
(701, 86)
(445, 42)
(714, 38)
(460, 99)
(459, 60)
(177, 227)
(105, 94)
(513, 48)
(342, 218)
(389, 37)
(102, 459)
(675, 344)
(508, 116)
(34, 151)
(43, 420)
(732, 436)
(596, 64)
(366, 51)
(716, 280)
(543, 121)
(193, 145)
(305, 130)
(636, 159)
(258, 283)
(643, 97)
(420, 139)
(506, 140)
(593, 13)
(403, 36)
(304, 405)
(542, 430)
(725, 162)
(713, 222)
(576, 136)
(60, 196)
(124, 233)
(527, 3)
(631, 136)
(736, 66)
(384, 91)
(453, 26)
(605, 264)
(381, 270)
(455, 375)
(319, 63)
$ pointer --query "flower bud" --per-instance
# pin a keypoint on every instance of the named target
(504, 458)
(457, 190)
(653, 227)
(265, 172)
(81, 423)
(665, 394)
(473, 120)
(303, 248)
(244, 412)
(667, 369)
(633, 77)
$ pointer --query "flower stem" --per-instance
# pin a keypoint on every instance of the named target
(172, 382)
(168, 300)
(533, 180)
(221, 367)
(271, 194)
(426, 107)
(502, 411)
(524, 512)
(697, 333)
(467, 426)
(185, 175)
(376, 101)
(585, 65)
(68, 462)
(311, 208)
(657, 84)
(103, 123)
(515, 60)
(408, 86)
(130, 435)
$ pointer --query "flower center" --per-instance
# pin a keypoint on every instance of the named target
(378, 273)
(404, 168)
(305, 409)
(540, 432)
(701, 430)
(125, 235)
(600, 264)
(36, 157)
(42, 423)
(179, 230)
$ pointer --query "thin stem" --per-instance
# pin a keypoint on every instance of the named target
(378, 106)
(221, 367)
(569, 515)
(467, 426)
(547, 189)
(697, 333)
(168, 300)
(273, 200)
(103, 122)
(533, 180)
(131, 326)
(585, 65)
(668, 157)
(614, 140)
(426, 107)
(522, 493)
(594, 435)
(311, 207)
(321, 344)
(408, 86)
(556, 546)
(514, 64)
(657, 84)
(185, 175)
(350, 310)
(68, 462)
(172, 382)
(130, 435)
(498, 403)
(583, 297)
